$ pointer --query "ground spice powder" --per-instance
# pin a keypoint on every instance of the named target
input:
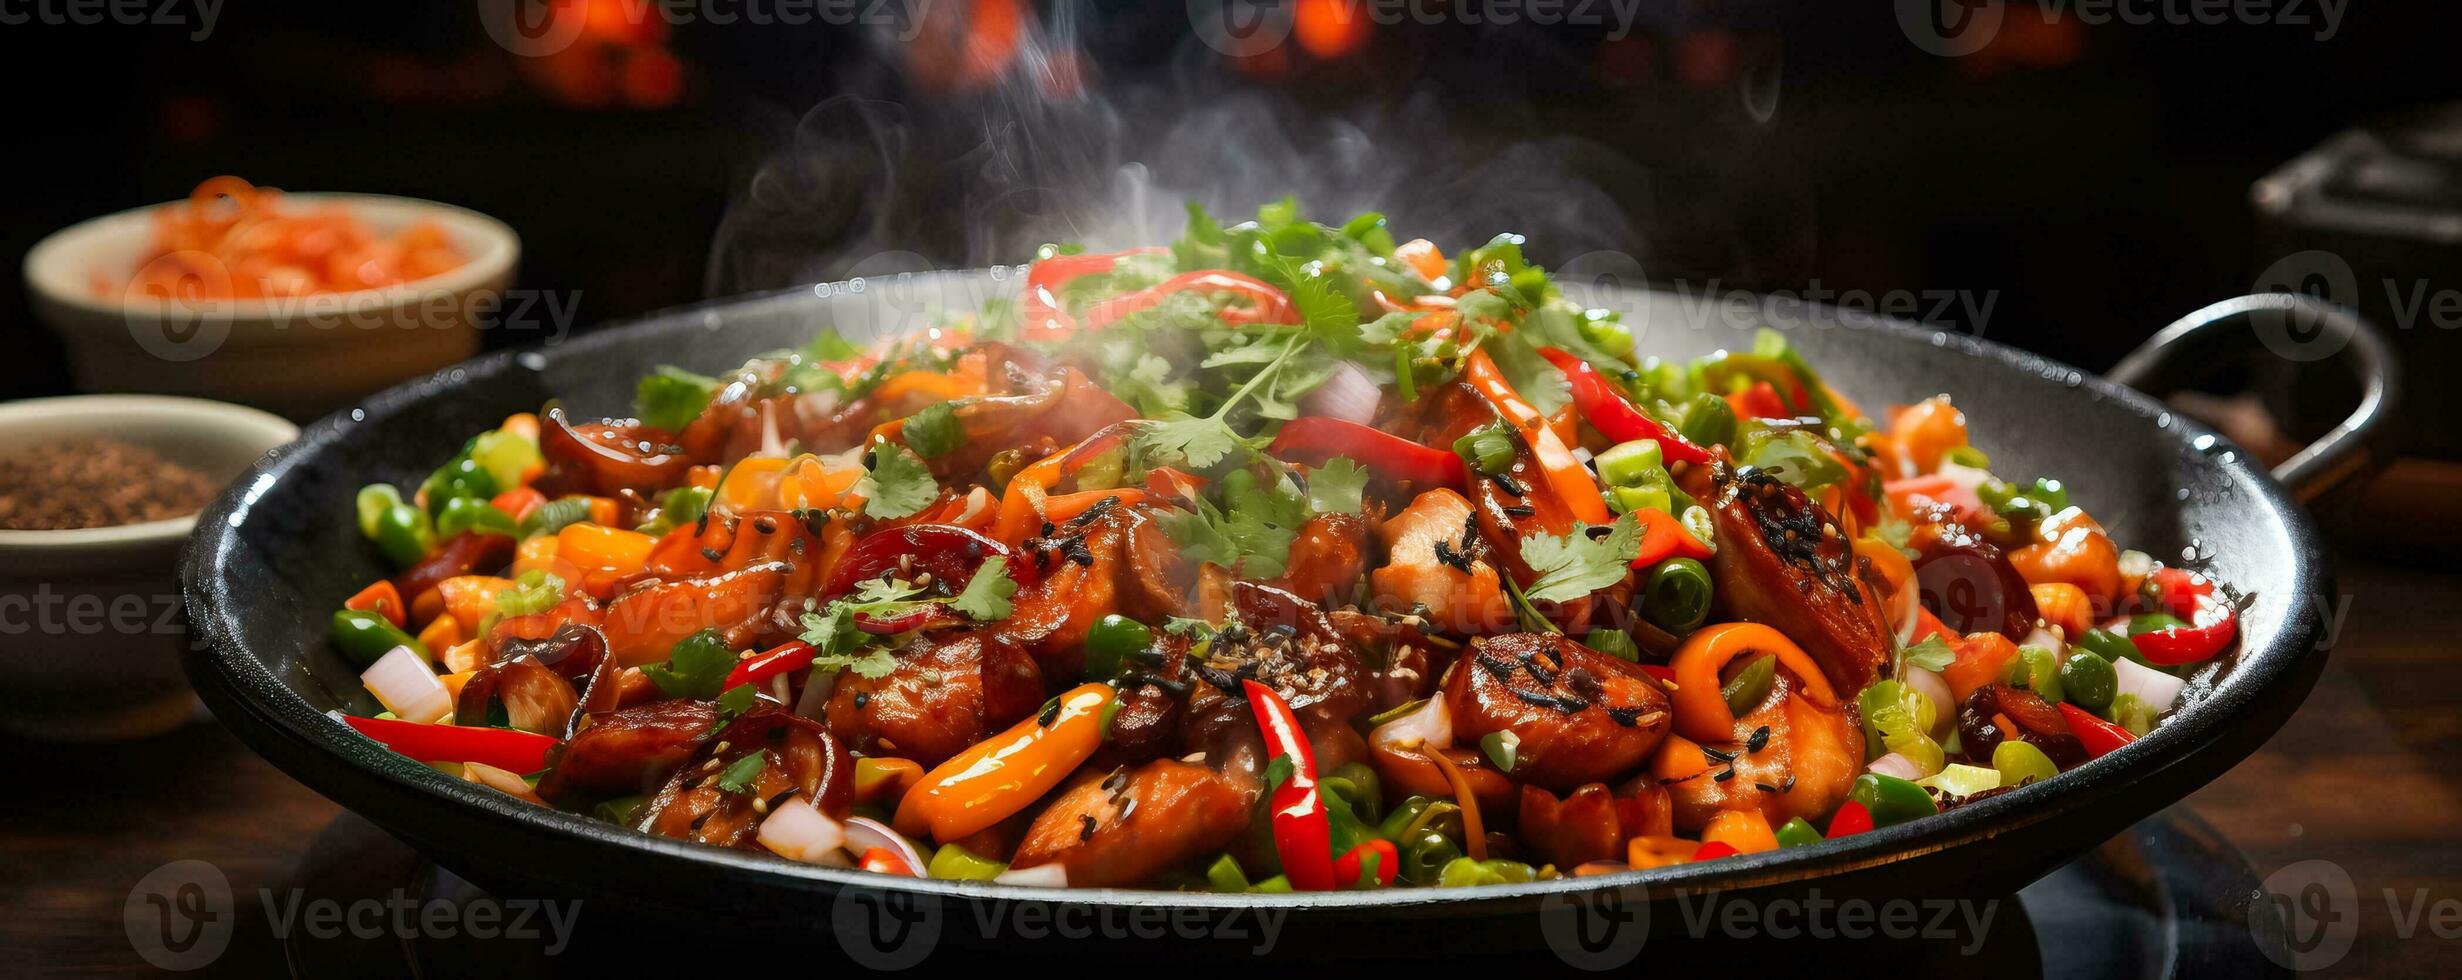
(95, 483)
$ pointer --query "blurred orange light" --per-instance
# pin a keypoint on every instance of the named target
(1330, 28)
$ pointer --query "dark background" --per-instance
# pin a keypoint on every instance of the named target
(2091, 181)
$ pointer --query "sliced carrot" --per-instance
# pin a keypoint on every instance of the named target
(442, 633)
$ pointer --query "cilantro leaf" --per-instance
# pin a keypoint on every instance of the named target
(869, 665)
(738, 776)
(986, 596)
(1574, 565)
(670, 398)
(934, 432)
(1261, 520)
(1195, 442)
(898, 485)
(695, 668)
(1336, 487)
(1932, 654)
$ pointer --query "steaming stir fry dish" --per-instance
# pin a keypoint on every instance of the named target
(1288, 557)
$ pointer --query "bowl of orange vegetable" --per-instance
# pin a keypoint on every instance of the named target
(298, 303)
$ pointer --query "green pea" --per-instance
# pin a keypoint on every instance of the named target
(463, 477)
(404, 534)
(1708, 419)
(1751, 685)
(1797, 833)
(2089, 680)
(462, 514)
(2019, 761)
(1110, 644)
(363, 637)
(954, 863)
(1891, 800)
(1677, 596)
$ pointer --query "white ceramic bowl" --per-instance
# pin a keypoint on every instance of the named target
(301, 356)
(91, 632)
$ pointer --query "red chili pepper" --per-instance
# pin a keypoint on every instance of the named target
(1714, 850)
(1761, 401)
(951, 553)
(1044, 319)
(1302, 835)
(1607, 410)
(793, 656)
(2212, 623)
(504, 748)
(1272, 306)
(2099, 736)
(1852, 818)
(1347, 869)
(1664, 537)
(1664, 673)
(1315, 439)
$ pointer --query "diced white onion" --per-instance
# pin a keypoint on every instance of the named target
(772, 446)
(2047, 640)
(865, 833)
(1430, 726)
(1930, 685)
(1052, 875)
(798, 831)
(2157, 690)
(407, 686)
(1897, 765)
(1349, 395)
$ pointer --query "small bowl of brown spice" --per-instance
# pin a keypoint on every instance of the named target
(97, 496)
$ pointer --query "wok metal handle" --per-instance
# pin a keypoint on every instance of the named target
(2345, 451)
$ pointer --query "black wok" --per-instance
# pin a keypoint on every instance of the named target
(274, 555)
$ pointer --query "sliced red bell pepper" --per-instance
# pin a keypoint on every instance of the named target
(1272, 305)
(1316, 439)
(1664, 537)
(1852, 818)
(2099, 737)
(1303, 837)
(382, 599)
(504, 748)
(2211, 622)
(1714, 850)
(1761, 401)
(1040, 307)
(1606, 410)
(1348, 868)
(788, 658)
(519, 502)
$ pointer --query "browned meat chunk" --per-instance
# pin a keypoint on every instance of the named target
(1581, 716)
(947, 693)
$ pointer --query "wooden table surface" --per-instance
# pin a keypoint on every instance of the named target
(2363, 776)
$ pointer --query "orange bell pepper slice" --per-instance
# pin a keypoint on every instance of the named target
(1745, 830)
(999, 776)
(382, 599)
(1565, 473)
(1701, 708)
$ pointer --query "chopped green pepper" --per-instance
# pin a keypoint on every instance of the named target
(404, 534)
(1797, 833)
(364, 637)
(1494, 871)
(1891, 800)
(1708, 420)
(463, 477)
(954, 863)
(1488, 449)
(1225, 876)
(1113, 640)
(472, 514)
(1614, 643)
(374, 499)
(1751, 685)
(2019, 761)
(1677, 596)
(2089, 680)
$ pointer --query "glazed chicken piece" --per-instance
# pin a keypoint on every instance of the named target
(800, 758)
(1437, 567)
(947, 692)
(1581, 715)
(1782, 562)
(1801, 767)
(1131, 825)
(1328, 556)
(1108, 559)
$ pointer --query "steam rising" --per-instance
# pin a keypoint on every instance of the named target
(868, 186)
